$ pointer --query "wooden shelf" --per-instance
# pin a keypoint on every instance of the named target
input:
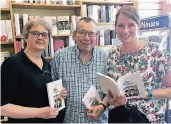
(107, 3)
(6, 43)
(105, 23)
(19, 36)
(5, 9)
(61, 35)
(48, 57)
(43, 6)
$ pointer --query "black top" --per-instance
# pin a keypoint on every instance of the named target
(24, 83)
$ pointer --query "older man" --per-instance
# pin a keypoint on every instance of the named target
(77, 67)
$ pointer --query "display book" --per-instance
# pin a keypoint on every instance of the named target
(55, 99)
(130, 85)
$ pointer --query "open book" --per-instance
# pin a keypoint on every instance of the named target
(130, 85)
(91, 98)
(55, 99)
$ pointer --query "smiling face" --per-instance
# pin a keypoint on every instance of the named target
(86, 36)
(35, 40)
(126, 29)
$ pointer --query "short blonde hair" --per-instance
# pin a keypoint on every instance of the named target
(35, 22)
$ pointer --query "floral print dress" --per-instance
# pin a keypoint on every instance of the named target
(152, 63)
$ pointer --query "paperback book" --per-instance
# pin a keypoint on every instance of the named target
(55, 99)
(130, 85)
(91, 98)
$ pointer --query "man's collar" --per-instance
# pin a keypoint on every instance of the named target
(78, 52)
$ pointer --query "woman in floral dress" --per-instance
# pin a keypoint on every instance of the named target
(135, 55)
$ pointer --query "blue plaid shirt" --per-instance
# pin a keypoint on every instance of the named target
(77, 79)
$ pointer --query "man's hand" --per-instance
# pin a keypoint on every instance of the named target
(63, 93)
(116, 100)
(95, 112)
(46, 112)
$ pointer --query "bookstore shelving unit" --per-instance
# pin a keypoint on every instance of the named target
(52, 10)
(5, 45)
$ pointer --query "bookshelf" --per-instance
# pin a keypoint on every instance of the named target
(60, 35)
(107, 3)
(43, 6)
(35, 9)
(5, 10)
(6, 43)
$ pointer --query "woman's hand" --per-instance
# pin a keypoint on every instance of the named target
(116, 100)
(95, 112)
(63, 93)
(47, 112)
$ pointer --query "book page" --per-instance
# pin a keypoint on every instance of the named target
(91, 98)
(108, 83)
(55, 99)
(131, 85)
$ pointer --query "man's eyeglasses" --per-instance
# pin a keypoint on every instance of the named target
(36, 34)
(90, 34)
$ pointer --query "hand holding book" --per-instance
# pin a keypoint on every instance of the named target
(95, 112)
(116, 100)
(47, 112)
(63, 93)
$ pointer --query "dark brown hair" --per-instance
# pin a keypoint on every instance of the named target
(130, 12)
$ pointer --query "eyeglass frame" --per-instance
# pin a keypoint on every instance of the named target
(86, 34)
(31, 32)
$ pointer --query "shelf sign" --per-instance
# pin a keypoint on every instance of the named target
(158, 22)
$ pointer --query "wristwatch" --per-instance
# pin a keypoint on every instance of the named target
(150, 95)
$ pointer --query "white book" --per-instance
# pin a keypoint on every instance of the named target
(55, 99)
(52, 49)
(91, 98)
(52, 21)
(17, 24)
(25, 19)
(3, 4)
(9, 30)
(73, 23)
(84, 10)
(3, 28)
(130, 85)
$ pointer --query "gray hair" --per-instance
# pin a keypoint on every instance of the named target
(35, 22)
(130, 12)
(86, 19)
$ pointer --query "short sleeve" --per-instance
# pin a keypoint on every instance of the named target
(9, 80)
(55, 66)
(163, 59)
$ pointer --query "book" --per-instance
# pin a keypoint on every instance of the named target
(130, 85)
(91, 98)
(55, 99)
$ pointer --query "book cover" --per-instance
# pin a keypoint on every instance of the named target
(55, 99)
(91, 98)
(58, 44)
(63, 24)
(130, 85)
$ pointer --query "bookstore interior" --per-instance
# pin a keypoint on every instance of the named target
(63, 16)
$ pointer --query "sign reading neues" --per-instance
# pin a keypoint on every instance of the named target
(158, 22)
